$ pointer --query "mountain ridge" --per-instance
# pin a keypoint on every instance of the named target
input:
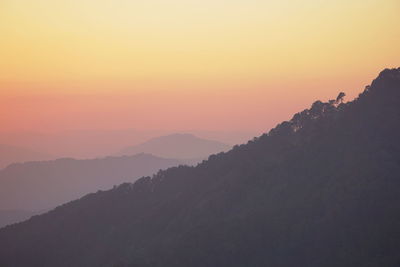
(11, 154)
(45, 184)
(319, 190)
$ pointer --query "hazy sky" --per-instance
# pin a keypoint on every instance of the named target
(181, 64)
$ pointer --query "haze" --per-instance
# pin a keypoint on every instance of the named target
(179, 65)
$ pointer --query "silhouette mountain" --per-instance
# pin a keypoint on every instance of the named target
(12, 154)
(178, 146)
(36, 186)
(322, 189)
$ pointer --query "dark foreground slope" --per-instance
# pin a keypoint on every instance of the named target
(320, 190)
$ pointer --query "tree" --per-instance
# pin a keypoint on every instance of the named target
(340, 97)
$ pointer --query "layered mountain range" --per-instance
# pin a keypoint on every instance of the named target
(322, 189)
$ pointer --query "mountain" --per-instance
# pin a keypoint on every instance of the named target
(322, 189)
(12, 154)
(12, 216)
(43, 185)
(226, 137)
(179, 146)
(81, 144)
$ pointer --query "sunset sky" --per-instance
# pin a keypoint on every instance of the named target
(182, 64)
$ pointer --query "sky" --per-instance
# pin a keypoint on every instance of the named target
(238, 65)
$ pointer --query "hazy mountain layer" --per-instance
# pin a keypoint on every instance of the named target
(43, 185)
(322, 189)
(13, 154)
(180, 146)
(98, 143)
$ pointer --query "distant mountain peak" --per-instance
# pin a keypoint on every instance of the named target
(180, 135)
(179, 146)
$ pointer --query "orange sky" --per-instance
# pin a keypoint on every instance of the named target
(180, 65)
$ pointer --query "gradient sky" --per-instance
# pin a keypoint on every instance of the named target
(182, 64)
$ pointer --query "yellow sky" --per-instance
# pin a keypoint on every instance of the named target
(194, 49)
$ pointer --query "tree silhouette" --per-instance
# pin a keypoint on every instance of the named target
(340, 97)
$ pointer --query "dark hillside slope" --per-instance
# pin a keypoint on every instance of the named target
(320, 190)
